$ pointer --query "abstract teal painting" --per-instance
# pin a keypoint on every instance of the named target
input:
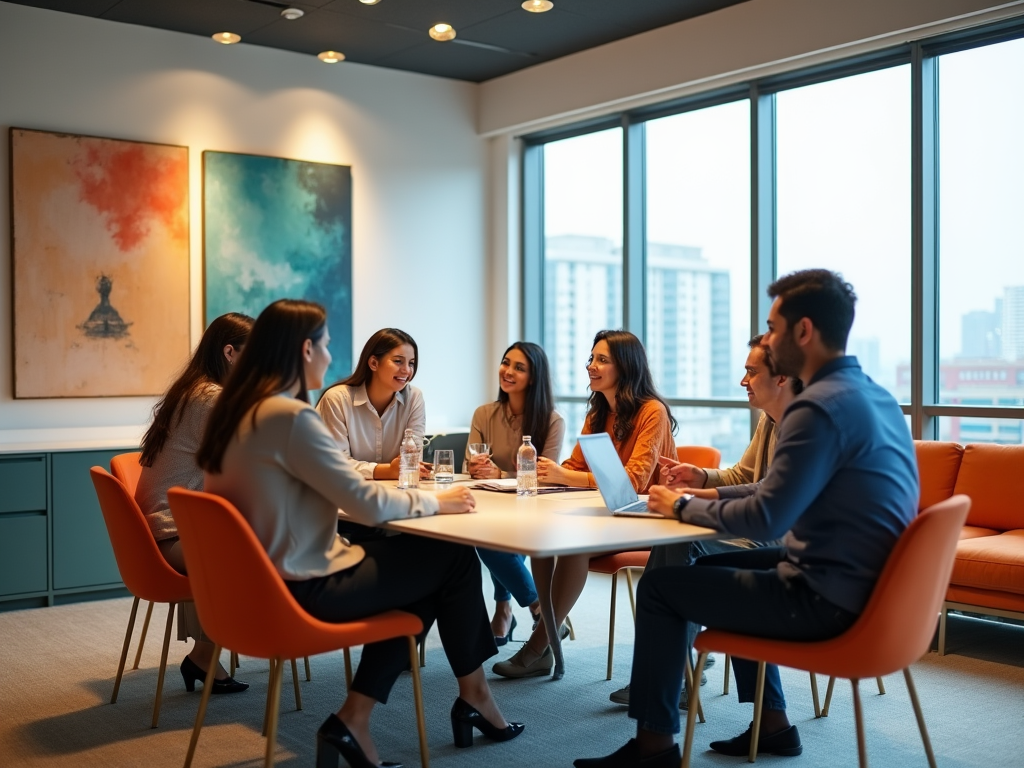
(279, 229)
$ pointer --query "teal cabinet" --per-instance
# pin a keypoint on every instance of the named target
(82, 555)
(23, 483)
(22, 554)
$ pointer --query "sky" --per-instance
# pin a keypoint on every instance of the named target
(843, 190)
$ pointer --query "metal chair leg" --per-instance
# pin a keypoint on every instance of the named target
(881, 686)
(309, 675)
(691, 711)
(725, 685)
(348, 669)
(163, 664)
(423, 652)
(814, 694)
(295, 685)
(611, 625)
(275, 669)
(632, 592)
(274, 706)
(858, 716)
(572, 631)
(233, 663)
(417, 692)
(124, 649)
(828, 696)
(920, 717)
(688, 677)
(211, 675)
(942, 630)
(755, 727)
(142, 637)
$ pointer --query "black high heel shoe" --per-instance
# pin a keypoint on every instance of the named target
(334, 739)
(500, 640)
(465, 718)
(190, 672)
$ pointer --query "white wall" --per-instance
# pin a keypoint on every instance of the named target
(419, 182)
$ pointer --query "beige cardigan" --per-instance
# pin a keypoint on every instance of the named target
(288, 478)
(753, 465)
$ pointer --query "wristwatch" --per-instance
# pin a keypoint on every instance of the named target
(680, 505)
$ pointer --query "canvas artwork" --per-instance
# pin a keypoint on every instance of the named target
(101, 257)
(274, 229)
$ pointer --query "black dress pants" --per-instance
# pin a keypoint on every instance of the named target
(429, 578)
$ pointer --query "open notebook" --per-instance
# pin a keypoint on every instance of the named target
(508, 485)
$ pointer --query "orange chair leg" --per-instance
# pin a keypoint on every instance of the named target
(725, 685)
(920, 717)
(211, 675)
(828, 696)
(691, 711)
(274, 707)
(142, 637)
(755, 728)
(417, 693)
(163, 664)
(858, 716)
(611, 625)
(814, 694)
(348, 670)
(124, 649)
(295, 685)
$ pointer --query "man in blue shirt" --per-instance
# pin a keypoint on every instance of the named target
(842, 488)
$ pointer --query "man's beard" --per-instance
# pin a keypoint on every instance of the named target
(788, 359)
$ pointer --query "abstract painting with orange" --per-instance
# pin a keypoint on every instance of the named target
(101, 259)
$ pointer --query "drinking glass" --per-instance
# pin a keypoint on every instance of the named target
(444, 466)
(479, 449)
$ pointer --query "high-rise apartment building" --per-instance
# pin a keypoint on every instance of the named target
(1012, 340)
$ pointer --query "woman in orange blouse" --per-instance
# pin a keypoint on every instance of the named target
(625, 404)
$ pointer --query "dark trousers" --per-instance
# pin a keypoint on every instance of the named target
(431, 579)
(735, 591)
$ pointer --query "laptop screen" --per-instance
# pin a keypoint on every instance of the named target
(606, 466)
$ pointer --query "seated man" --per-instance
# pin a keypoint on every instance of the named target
(843, 483)
(771, 394)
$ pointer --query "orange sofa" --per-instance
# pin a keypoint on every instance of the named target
(988, 574)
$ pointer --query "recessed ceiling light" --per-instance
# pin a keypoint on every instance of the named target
(291, 14)
(442, 32)
(227, 38)
(331, 57)
(538, 6)
(369, 2)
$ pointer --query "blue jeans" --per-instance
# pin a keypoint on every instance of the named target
(510, 575)
(737, 592)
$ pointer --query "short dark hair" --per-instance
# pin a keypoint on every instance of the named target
(823, 297)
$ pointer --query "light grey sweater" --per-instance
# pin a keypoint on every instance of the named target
(289, 479)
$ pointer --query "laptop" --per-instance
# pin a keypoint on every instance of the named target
(612, 481)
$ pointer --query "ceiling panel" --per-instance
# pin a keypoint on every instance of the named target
(495, 37)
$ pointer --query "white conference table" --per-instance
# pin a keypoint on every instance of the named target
(545, 526)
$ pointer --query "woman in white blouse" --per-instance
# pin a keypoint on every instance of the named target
(268, 452)
(369, 411)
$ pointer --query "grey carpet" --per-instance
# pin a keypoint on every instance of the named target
(58, 664)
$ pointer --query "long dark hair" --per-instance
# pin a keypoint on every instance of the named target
(634, 388)
(540, 400)
(207, 366)
(272, 363)
(378, 345)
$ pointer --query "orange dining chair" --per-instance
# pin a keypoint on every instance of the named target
(243, 603)
(636, 560)
(894, 630)
(143, 569)
(126, 468)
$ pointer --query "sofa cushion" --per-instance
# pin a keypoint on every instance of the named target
(991, 562)
(993, 476)
(937, 465)
(985, 598)
(974, 532)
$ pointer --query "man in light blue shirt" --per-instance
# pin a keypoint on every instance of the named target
(842, 487)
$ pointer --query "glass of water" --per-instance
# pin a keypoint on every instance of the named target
(444, 466)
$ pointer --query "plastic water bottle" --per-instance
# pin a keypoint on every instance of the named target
(526, 469)
(409, 466)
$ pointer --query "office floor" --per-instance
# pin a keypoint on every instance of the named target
(57, 667)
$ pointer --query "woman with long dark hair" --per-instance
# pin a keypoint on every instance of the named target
(268, 453)
(169, 459)
(369, 411)
(625, 404)
(525, 406)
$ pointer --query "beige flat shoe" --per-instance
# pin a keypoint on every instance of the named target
(517, 665)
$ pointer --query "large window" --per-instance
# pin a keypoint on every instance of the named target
(843, 184)
(673, 222)
(981, 237)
